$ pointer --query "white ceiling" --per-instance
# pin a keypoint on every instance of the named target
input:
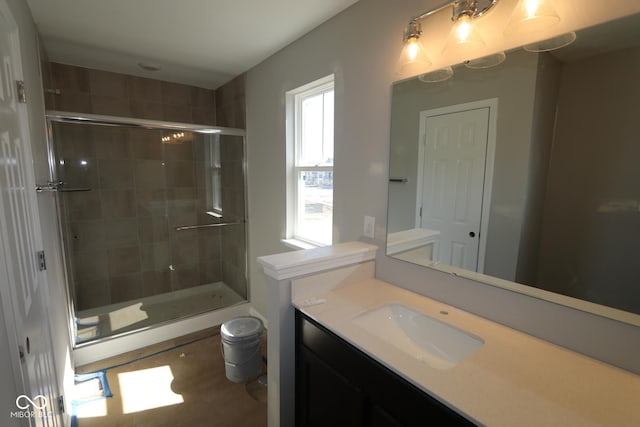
(199, 42)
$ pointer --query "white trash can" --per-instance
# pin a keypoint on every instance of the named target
(241, 343)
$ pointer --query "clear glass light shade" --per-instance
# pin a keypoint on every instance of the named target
(487, 61)
(413, 59)
(436, 76)
(530, 16)
(464, 38)
(551, 44)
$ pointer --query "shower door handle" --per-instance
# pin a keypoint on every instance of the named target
(49, 186)
(58, 186)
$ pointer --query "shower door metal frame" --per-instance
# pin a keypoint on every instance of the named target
(118, 121)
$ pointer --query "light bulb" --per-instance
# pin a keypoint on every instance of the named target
(531, 7)
(463, 28)
(464, 39)
(531, 16)
(413, 60)
(412, 48)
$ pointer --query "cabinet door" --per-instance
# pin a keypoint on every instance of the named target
(324, 397)
(338, 385)
(381, 418)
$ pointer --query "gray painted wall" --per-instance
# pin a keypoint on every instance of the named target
(544, 113)
(594, 191)
(363, 62)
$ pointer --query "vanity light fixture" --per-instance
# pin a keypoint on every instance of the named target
(464, 35)
(176, 138)
(529, 16)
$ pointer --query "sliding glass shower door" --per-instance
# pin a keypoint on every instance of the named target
(153, 223)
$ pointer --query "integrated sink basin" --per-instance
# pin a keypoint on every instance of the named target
(422, 337)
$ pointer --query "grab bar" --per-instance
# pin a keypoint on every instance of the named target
(218, 224)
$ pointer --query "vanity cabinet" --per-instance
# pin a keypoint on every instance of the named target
(338, 385)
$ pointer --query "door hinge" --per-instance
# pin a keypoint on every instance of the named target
(21, 353)
(420, 211)
(42, 262)
(22, 92)
(61, 404)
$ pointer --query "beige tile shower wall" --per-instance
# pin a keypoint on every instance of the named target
(230, 112)
(233, 242)
(92, 91)
(230, 104)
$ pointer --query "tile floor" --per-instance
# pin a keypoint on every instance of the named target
(185, 379)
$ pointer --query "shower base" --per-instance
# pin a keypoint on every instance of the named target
(115, 319)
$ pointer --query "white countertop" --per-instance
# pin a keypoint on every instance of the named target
(514, 379)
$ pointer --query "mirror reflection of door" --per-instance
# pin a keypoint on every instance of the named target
(452, 169)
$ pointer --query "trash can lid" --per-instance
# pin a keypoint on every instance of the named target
(241, 328)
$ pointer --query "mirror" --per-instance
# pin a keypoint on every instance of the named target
(526, 172)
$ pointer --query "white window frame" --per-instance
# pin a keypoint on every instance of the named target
(294, 100)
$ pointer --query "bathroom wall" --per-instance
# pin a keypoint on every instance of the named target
(230, 112)
(361, 46)
(544, 116)
(230, 104)
(593, 180)
(87, 90)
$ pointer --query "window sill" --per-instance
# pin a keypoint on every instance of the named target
(299, 244)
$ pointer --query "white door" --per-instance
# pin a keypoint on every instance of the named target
(455, 153)
(24, 295)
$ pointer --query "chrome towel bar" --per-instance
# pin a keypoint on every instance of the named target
(218, 224)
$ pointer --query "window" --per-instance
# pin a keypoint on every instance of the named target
(310, 186)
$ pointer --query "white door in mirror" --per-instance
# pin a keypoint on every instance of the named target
(455, 151)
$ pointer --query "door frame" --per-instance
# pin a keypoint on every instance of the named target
(492, 105)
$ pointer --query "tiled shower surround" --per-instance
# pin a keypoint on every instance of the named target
(85, 90)
(122, 242)
(121, 233)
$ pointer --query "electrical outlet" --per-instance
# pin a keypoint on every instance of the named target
(369, 226)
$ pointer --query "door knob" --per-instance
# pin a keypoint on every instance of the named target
(472, 234)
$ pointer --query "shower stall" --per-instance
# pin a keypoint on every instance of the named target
(153, 220)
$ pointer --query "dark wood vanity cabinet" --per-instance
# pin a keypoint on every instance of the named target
(338, 385)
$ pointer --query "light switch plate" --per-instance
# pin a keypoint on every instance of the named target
(369, 226)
